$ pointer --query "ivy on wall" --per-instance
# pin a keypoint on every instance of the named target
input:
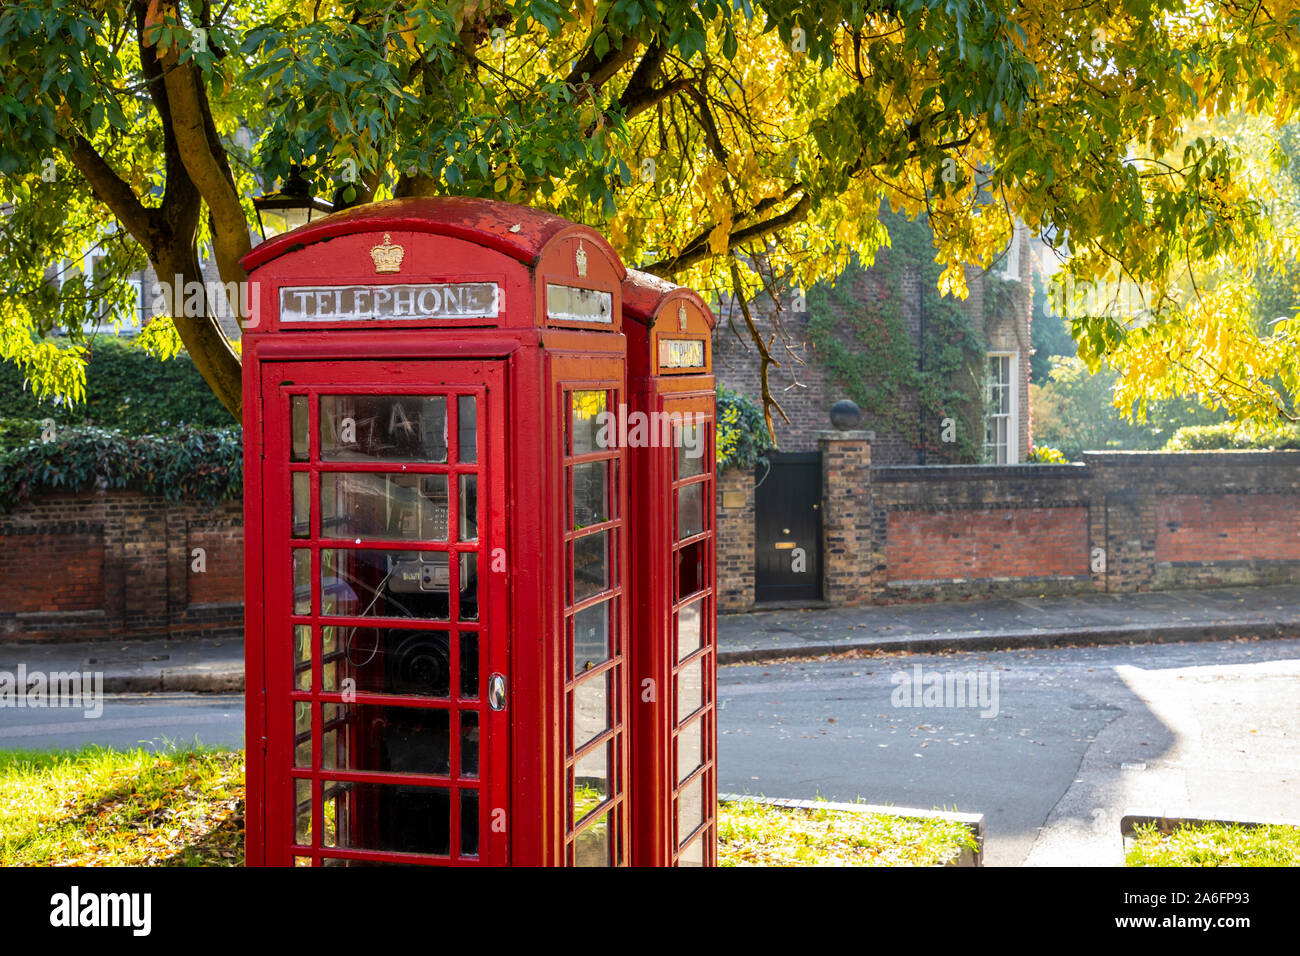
(187, 463)
(879, 365)
(742, 435)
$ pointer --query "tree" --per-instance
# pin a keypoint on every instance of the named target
(730, 145)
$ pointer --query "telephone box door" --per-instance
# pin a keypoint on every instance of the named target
(385, 621)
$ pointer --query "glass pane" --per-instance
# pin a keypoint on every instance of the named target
(586, 418)
(590, 494)
(389, 661)
(301, 504)
(469, 743)
(690, 688)
(690, 569)
(590, 565)
(383, 427)
(469, 587)
(591, 709)
(591, 637)
(395, 507)
(591, 782)
(402, 584)
(298, 405)
(689, 629)
(592, 846)
(467, 429)
(302, 812)
(302, 657)
(693, 855)
(469, 823)
(690, 510)
(690, 809)
(468, 508)
(301, 734)
(386, 816)
(301, 581)
(690, 749)
(690, 450)
(469, 665)
(392, 739)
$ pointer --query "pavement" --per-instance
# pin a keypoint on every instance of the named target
(217, 665)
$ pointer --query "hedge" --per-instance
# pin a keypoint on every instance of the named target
(1228, 435)
(187, 463)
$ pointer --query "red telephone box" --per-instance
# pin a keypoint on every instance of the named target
(673, 717)
(437, 541)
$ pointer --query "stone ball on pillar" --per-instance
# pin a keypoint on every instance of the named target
(845, 415)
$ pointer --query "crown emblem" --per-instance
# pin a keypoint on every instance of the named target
(681, 316)
(580, 260)
(387, 257)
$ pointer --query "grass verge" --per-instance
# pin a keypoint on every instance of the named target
(756, 834)
(1215, 844)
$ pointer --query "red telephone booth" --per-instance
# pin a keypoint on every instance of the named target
(436, 541)
(673, 717)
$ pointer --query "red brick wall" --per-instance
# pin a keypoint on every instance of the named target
(988, 543)
(118, 565)
(1232, 527)
(52, 572)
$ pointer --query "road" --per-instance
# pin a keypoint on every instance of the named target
(1080, 736)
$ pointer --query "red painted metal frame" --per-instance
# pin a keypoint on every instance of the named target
(651, 304)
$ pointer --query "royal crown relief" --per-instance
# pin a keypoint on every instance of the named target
(376, 303)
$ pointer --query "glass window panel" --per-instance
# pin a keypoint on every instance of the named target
(690, 450)
(469, 587)
(690, 688)
(591, 637)
(467, 429)
(301, 733)
(690, 809)
(301, 581)
(469, 823)
(690, 569)
(383, 428)
(400, 584)
(302, 657)
(592, 846)
(690, 510)
(591, 708)
(690, 634)
(395, 507)
(300, 431)
(469, 665)
(386, 816)
(468, 508)
(591, 781)
(301, 504)
(469, 743)
(390, 661)
(693, 855)
(591, 565)
(302, 812)
(390, 739)
(585, 421)
(690, 749)
(590, 494)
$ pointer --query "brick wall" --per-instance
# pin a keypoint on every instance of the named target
(1118, 522)
(122, 564)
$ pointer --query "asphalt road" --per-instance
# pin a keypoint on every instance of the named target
(1080, 736)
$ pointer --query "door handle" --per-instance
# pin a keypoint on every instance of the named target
(497, 692)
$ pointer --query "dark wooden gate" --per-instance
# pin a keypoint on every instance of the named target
(788, 528)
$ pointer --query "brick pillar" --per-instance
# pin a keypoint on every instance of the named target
(846, 516)
(735, 516)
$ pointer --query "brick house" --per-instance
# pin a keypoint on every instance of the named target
(806, 392)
